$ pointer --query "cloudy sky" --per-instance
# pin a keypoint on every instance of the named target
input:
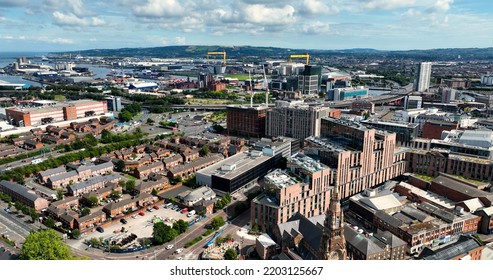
(59, 25)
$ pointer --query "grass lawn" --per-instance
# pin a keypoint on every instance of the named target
(131, 177)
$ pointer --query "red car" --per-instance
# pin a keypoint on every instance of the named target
(155, 207)
(184, 210)
(141, 213)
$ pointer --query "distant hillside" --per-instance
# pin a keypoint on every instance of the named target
(239, 52)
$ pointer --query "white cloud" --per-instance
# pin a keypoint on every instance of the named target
(73, 20)
(62, 41)
(180, 40)
(159, 8)
(315, 7)
(259, 13)
(315, 28)
(387, 4)
(441, 6)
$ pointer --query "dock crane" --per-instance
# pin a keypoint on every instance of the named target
(307, 56)
(216, 53)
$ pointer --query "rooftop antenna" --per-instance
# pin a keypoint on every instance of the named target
(251, 89)
(266, 85)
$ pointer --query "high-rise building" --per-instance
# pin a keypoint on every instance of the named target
(423, 75)
(114, 103)
(309, 80)
(296, 120)
(359, 157)
(246, 121)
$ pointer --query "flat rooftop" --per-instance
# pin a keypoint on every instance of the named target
(280, 179)
(307, 163)
(236, 165)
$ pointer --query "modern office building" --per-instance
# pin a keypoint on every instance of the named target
(246, 121)
(359, 157)
(114, 103)
(423, 76)
(235, 172)
(309, 80)
(413, 102)
(405, 132)
(296, 120)
(338, 94)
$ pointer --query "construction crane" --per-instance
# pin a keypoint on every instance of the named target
(215, 53)
(307, 56)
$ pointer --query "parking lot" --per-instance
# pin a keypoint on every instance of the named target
(140, 223)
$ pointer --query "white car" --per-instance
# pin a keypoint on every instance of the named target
(169, 247)
(178, 250)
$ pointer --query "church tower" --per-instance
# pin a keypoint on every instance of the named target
(333, 245)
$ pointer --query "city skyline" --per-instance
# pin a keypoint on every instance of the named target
(70, 25)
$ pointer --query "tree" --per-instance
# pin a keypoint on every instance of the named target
(76, 233)
(204, 150)
(125, 116)
(130, 186)
(59, 194)
(121, 183)
(93, 201)
(162, 233)
(105, 134)
(45, 245)
(115, 194)
(230, 254)
(86, 211)
(181, 226)
(154, 192)
(219, 240)
(229, 236)
(120, 165)
(150, 121)
(49, 222)
(33, 214)
(217, 222)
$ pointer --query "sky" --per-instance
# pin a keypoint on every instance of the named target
(71, 25)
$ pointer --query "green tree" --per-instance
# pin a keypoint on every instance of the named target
(181, 226)
(125, 116)
(120, 165)
(115, 194)
(33, 214)
(59, 194)
(204, 150)
(105, 134)
(229, 236)
(121, 183)
(130, 186)
(217, 222)
(154, 192)
(45, 245)
(93, 201)
(230, 254)
(49, 222)
(219, 240)
(86, 211)
(162, 233)
(150, 121)
(76, 233)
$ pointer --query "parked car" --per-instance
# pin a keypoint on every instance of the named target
(141, 213)
(179, 250)
(155, 207)
(169, 247)
(184, 210)
(123, 221)
(100, 229)
(134, 216)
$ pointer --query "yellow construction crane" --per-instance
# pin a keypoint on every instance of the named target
(214, 53)
(307, 56)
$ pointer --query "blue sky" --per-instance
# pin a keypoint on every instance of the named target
(62, 25)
